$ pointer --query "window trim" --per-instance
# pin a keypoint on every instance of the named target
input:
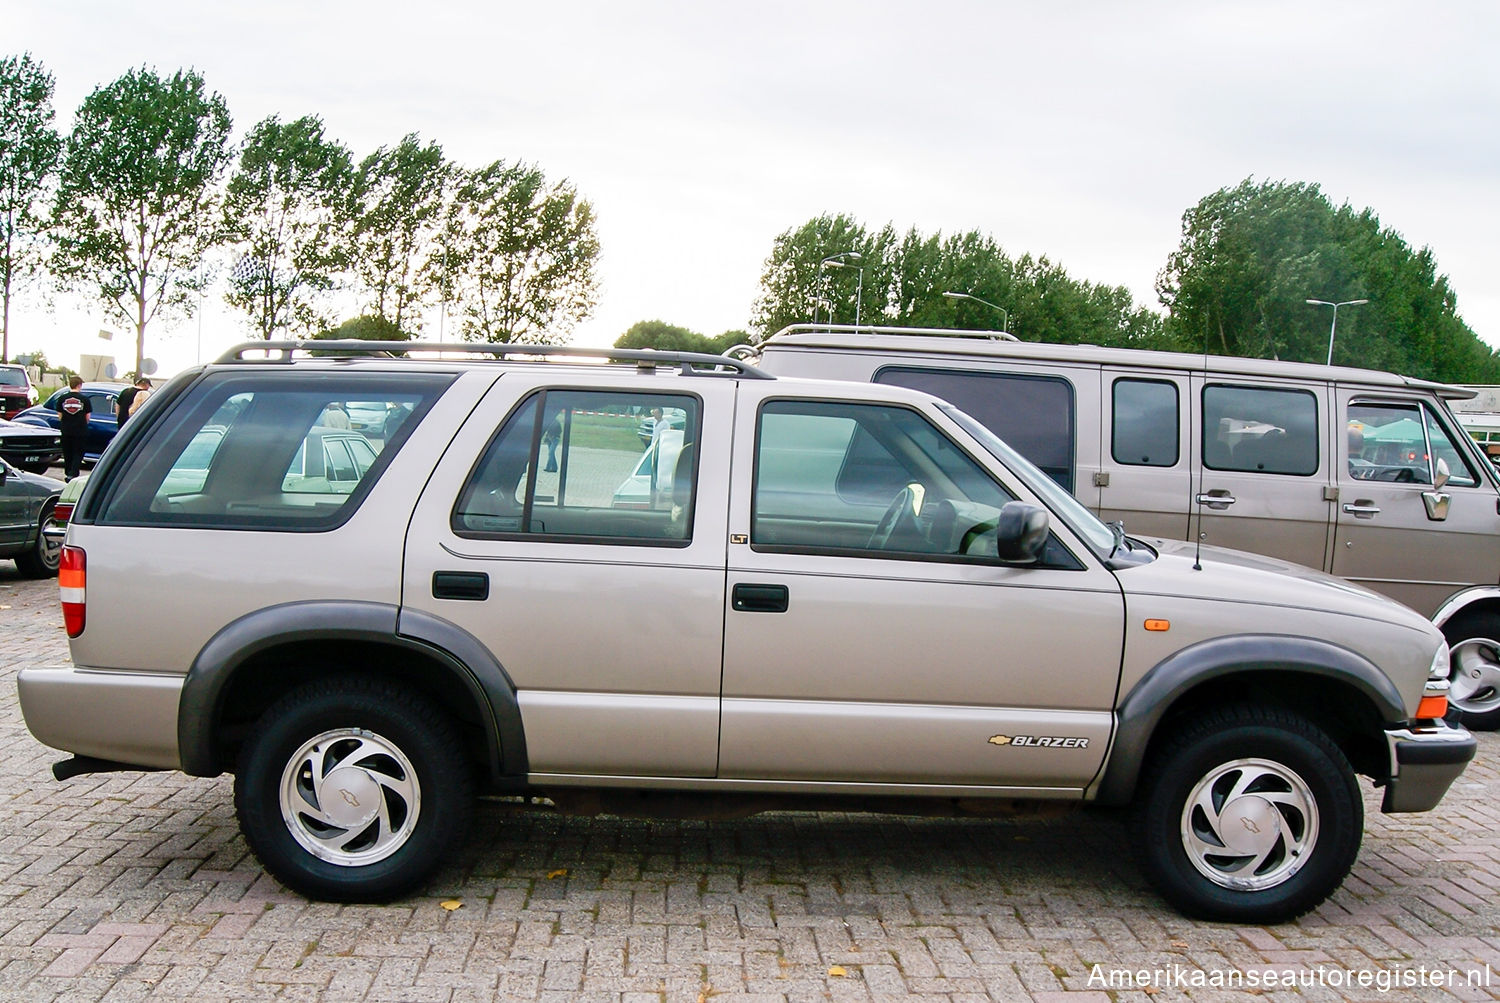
(1114, 425)
(1274, 388)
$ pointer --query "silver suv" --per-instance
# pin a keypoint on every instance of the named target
(795, 592)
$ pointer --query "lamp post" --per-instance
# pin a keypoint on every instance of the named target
(1335, 325)
(841, 260)
(1004, 314)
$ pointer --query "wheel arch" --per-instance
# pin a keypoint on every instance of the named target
(1335, 688)
(1480, 599)
(253, 661)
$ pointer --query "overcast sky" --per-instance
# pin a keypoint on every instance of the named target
(701, 130)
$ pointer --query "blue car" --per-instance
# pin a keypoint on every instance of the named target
(102, 425)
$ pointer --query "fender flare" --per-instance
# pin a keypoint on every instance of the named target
(1461, 601)
(1143, 707)
(482, 676)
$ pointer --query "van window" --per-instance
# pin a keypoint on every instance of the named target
(1260, 430)
(1389, 442)
(1145, 423)
(1036, 415)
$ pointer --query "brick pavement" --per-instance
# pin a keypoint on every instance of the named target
(131, 887)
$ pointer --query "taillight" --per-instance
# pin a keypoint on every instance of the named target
(62, 511)
(70, 585)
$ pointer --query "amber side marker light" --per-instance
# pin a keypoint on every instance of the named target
(1158, 624)
(1432, 707)
(70, 587)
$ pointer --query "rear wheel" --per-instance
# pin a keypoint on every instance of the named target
(41, 559)
(353, 790)
(1251, 815)
(1474, 687)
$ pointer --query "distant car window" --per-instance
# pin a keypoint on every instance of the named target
(855, 477)
(1146, 423)
(1036, 415)
(1260, 430)
(255, 453)
(594, 465)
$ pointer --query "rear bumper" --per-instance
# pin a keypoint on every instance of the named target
(124, 717)
(1425, 760)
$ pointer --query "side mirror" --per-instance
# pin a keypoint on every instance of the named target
(1440, 475)
(1020, 532)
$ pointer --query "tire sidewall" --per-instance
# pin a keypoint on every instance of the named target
(1470, 626)
(400, 718)
(1306, 753)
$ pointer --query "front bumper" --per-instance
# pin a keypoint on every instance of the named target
(1425, 760)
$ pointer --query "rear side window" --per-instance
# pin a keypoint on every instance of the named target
(270, 451)
(587, 465)
(1260, 430)
(1035, 415)
(1145, 423)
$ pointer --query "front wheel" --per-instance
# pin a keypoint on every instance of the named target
(1249, 816)
(1474, 686)
(42, 558)
(352, 790)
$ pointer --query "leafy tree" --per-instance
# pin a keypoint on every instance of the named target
(796, 288)
(367, 327)
(1252, 255)
(137, 208)
(286, 208)
(671, 338)
(30, 150)
(398, 194)
(517, 255)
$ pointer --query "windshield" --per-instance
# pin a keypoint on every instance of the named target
(13, 378)
(1100, 538)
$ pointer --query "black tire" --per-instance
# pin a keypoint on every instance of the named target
(1301, 794)
(1474, 686)
(40, 560)
(371, 738)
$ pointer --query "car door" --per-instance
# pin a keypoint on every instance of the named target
(16, 505)
(605, 608)
(869, 640)
(1146, 475)
(1262, 469)
(1396, 531)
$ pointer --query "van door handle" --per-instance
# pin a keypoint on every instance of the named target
(1363, 509)
(1216, 499)
(760, 598)
(460, 585)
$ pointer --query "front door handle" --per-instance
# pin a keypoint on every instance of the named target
(1216, 499)
(1363, 509)
(473, 585)
(760, 598)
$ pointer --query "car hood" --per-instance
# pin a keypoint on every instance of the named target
(1233, 576)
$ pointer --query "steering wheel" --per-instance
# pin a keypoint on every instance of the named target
(899, 520)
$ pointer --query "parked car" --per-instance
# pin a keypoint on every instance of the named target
(16, 391)
(26, 502)
(1362, 474)
(852, 592)
(102, 424)
(30, 447)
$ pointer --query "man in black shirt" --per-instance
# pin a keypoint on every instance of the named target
(127, 397)
(73, 422)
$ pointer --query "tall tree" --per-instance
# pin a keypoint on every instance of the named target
(286, 207)
(30, 150)
(399, 195)
(137, 207)
(1251, 256)
(518, 255)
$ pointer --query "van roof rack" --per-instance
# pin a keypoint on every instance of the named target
(646, 359)
(944, 332)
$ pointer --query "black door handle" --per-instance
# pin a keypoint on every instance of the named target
(460, 585)
(760, 598)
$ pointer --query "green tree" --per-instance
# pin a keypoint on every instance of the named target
(795, 287)
(286, 209)
(669, 338)
(367, 327)
(137, 206)
(517, 255)
(398, 196)
(1251, 256)
(30, 150)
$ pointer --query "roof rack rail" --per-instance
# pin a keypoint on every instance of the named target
(946, 332)
(689, 363)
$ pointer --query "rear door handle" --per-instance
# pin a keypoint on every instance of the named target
(1362, 509)
(1216, 499)
(474, 585)
(760, 598)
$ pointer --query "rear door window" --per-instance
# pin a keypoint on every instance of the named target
(1260, 430)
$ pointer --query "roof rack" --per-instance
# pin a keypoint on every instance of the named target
(688, 363)
(945, 332)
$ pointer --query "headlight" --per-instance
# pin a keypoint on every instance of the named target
(1441, 664)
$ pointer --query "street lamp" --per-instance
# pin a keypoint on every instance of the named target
(841, 260)
(1334, 326)
(1004, 314)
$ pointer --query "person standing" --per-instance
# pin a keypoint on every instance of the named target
(127, 398)
(73, 410)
